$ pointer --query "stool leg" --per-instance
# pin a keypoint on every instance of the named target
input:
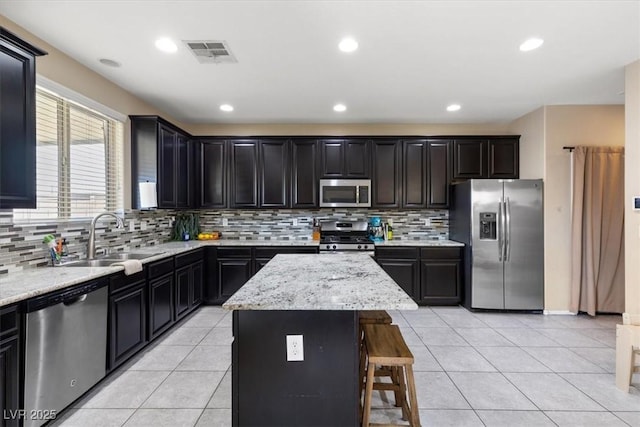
(367, 394)
(395, 379)
(624, 358)
(414, 421)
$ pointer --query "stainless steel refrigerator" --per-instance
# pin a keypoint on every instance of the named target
(501, 223)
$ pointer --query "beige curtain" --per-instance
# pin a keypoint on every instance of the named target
(597, 279)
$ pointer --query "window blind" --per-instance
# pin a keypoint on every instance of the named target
(79, 161)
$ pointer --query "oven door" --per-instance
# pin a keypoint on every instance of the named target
(340, 193)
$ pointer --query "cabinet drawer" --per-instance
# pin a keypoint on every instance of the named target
(188, 258)
(234, 252)
(396, 253)
(160, 267)
(8, 321)
(440, 253)
(270, 252)
(119, 281)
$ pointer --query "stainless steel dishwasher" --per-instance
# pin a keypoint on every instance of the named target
(66, 346)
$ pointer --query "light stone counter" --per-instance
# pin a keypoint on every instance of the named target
(321, 282)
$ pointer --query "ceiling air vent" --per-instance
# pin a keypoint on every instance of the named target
(211, 51)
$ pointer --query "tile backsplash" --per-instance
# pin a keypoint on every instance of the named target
(21, 244)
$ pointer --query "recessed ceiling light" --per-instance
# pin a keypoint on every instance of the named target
(348, 45)
(226, 107)
(339, 108)
(453, 107)
(531, 44)
(166, 45)
(109, 62)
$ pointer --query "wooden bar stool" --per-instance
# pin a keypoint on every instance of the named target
(369, 317)
(385, 347)
(627, 350)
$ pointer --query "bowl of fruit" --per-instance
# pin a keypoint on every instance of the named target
(213, 235)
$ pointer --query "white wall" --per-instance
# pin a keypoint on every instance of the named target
(532, 131)
(632, 187)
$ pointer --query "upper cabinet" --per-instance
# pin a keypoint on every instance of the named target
(161, 153)
(17, 122)
(211, 159)
(438, 173)
(344, 158)
(386, 173)
(491, 157)
(414, 173)
(274, 173)
(243, 166)
(304, 174)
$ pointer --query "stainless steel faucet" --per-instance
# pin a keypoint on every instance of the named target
(91, 246)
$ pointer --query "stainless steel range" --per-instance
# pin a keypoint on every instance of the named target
(343, 236)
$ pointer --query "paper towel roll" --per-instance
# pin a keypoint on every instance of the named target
(148, 195)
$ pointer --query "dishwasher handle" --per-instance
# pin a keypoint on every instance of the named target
(75, 300)
(67, 297)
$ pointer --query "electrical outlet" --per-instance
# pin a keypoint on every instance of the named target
(132, 225)
(143, 225)
(225, 222)
(294, 222)
(295, 348)
(427, 222)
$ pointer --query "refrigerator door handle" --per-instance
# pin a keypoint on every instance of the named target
(507, 230)
(500, 231)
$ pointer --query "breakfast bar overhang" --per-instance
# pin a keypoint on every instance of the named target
(317, 297)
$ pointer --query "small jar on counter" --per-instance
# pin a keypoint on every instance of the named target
(316, 229)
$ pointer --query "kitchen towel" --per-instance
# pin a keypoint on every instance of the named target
(131, 266)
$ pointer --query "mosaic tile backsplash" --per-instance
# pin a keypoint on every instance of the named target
(21, 244)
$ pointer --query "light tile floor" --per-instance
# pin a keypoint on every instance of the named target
(471, 369)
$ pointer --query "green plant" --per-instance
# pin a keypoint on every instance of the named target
(186, 223)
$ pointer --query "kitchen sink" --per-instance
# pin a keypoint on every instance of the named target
(91, 263)
(126, 255)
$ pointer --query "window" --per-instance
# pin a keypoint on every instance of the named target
(79, 161)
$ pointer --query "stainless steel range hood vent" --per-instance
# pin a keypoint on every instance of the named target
(211, 51)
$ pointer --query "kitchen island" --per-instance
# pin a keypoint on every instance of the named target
(316, 297)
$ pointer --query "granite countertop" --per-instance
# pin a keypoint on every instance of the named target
(335, 281)
(29, 283)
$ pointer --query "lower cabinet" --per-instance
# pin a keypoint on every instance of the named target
(160, 304)
(228, 268)
(9, 366)
(127, 320)
(431, 276)
(188, 287)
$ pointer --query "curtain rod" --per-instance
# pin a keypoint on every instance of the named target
(569, 148)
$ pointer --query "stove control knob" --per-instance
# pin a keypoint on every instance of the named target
(334, 247)
(360, 246)
(366, 247)
(328, 247)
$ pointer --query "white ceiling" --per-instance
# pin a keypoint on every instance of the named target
(415, 57)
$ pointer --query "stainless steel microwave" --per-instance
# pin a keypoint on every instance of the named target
(345, 193)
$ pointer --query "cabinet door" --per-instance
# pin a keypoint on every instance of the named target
(386, 174)
(212, 172)
(260, 262)
(504, 158)
(244, 174)
(161, 305)
(9, 382)
(274, 173)
(182, 171)
(438, 160)
(469, 158)
(404, 272)
(332, 158)
(167, 140)
(440, 282)
(414, 159)
(183, 283)
(304, 175)
(357, 158)
(17, 127)
(197, 271)
(232, 274)
(128, 324)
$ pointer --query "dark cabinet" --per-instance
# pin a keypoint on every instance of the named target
(402, 265)
(430, 275)
(232, 274)
(437, 170)
(414, 174)
(274, 174)
(161, 305)
(189, 279)
(161, 153)
(244, 174)
(17, 122)
(345, 158)
(386, 177)
(9, 366)
(504, 158)
(469, 158)
(492, 157)
(304, 174)
(212, 172)
(127, 321)
(440, 281)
